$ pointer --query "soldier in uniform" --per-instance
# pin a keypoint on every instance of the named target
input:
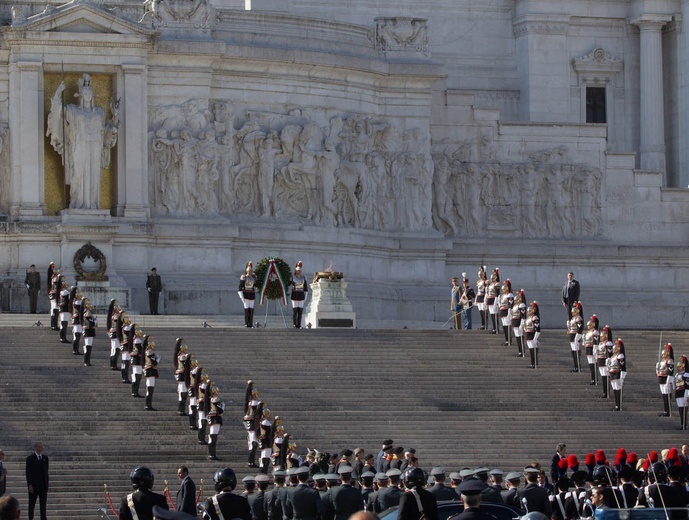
(194, 382)
(616, 365)
(665, 370)
(257, 503)
(591, 339)
(481, 287)
(509, 495)
(126, 334)
(304, 502)
(150, 372)
(77, 306)
(33, 286)
(252, 416)
(466, 302)
(65, 312)
(215, 411)
(247, 293)
(532, 497)
(439, 489)
(265, 439)
(455, 307)
(54, 287)
(90, 324)
(182, 365)
(681, 386)
(201, 402)
(414, 480)
(111, 324)
(517, 314)
(532, 327)
(225, 504)
(273, 504)
(137, 353)
(154, 286)
(603, 351)
(575, 499)
(470, 494)
(505, 301)
(575, 330)
(558, 499)
(139, 504)
(492, 293)
(299, 287)
(344, 500)
(387, 496)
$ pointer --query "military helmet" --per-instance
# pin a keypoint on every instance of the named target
(414, 477)
(602, 474)
(225, 478)
(142, 478)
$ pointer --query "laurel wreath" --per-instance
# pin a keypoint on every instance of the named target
(273, 291)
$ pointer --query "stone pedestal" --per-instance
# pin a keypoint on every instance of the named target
(329, 306)
(100, 294)
(72, 216)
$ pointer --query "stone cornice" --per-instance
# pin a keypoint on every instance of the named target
(540, 24)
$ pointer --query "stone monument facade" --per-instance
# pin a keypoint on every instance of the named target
(410, 143)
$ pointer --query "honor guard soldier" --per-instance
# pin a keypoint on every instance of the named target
(575, 499)
(603, 351)
(194, 382)
(505, 301)
(225, 504)
(304, 502)
(470, 494)
(126, 334)
(139, 504)
(215, 411)
(247, 293)
(558, 499)
(299, 288)
(204, 389)
(532, 327)
(182, 362)
(90, 324)
(137, 354)
(417, 500)
(111, 324)
(616, 363)
(591, 339)
(342, 501)
(150, 372)
(439, 489)
(77, 306)
(252, 416)
(517, 317)
(54, 287)
(575, 330)
(665, 370)
(65, 312)
(532, 497)
(481, 287)
(492, 293)
(681, 386)
(266, 435)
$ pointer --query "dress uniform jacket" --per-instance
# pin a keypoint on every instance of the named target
(509, 497)
(388, 497)
(490, 495)
(409, 510)
(257, 505)
(536, 499)
(341, 502)
(442, 492)
(304, 503)
(273, 505)
(231, 506)
(474, 513)
(143, 504)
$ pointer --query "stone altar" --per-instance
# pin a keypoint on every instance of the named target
(329, 306)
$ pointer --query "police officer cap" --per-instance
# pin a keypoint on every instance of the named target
(481, 470)
(514, 476)
(382, 477)
(580, 476)
(627, 473)
(466, 472)
(262, 477)
(163, 514)
(530, 470)
(368, 474)
(438, 470)
(344, 469)
(319, 477)
(496, 472)
(347, 452)
(291, 471)
(368, 456)
(249, 480)
(301, 470)
(471, 486)
(332, 477)
(394, 472)
(455, 476)
(279, 473)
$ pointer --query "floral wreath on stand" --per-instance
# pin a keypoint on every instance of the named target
(272, 276)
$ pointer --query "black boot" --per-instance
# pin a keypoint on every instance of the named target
(53, 320)
(202, 433)
(135, 386)
(295, 314)
(181, 409)
(520, 347)
(124, 370)
(592, 367)
(265, 463)
(533, 358)
(113, 362)
(193, 418)
(246, 318)
(299, 315)
(149, 398)
(75, 344)
(680, 409)
(506, 332)
(252, 455)
(617, 394)
(251, 318)
(574, 357)
(211, 447)
(63, 332)
(494, 321)
(666, 406)
(87, 355)
(604, 381)
(483, 320)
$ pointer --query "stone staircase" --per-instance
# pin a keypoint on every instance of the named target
(459, 398)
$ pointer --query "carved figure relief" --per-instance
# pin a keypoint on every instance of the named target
(178, 13)
(401, 34)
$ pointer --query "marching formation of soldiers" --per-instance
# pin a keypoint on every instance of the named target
(69, 307)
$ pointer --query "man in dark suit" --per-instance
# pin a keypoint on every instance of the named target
(154, 285)
(186, 496)
(37, 480)
(304, 503)
(140, 503)
(570, 294)
(560, 453)
(532, 497)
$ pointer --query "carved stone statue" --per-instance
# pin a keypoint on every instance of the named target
(81, 135)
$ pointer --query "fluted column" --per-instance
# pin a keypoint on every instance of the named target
(652, 118)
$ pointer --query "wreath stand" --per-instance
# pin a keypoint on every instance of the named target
(282, 312)
(271, 274)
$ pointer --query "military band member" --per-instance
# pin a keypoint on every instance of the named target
(665, 370)
(466, 302)
(90, 324)
(247, 293)
(575, 330)
(65, 312)
(517, 317)
(299, 287)
(265, 439)
(481, 287)
(137, 354)
(591, 339)
(681, 386)
(215, 411)
(505, 301)
(532, 327)
(150, 371)
(616, 362)
(252, 414)
(111, 324)
(492, 293)
(455, 307)
(603, 352)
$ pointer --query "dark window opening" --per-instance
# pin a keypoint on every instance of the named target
(595, 105)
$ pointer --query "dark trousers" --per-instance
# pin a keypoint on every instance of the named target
(42, 497)
(33, 300)
(153, 301)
